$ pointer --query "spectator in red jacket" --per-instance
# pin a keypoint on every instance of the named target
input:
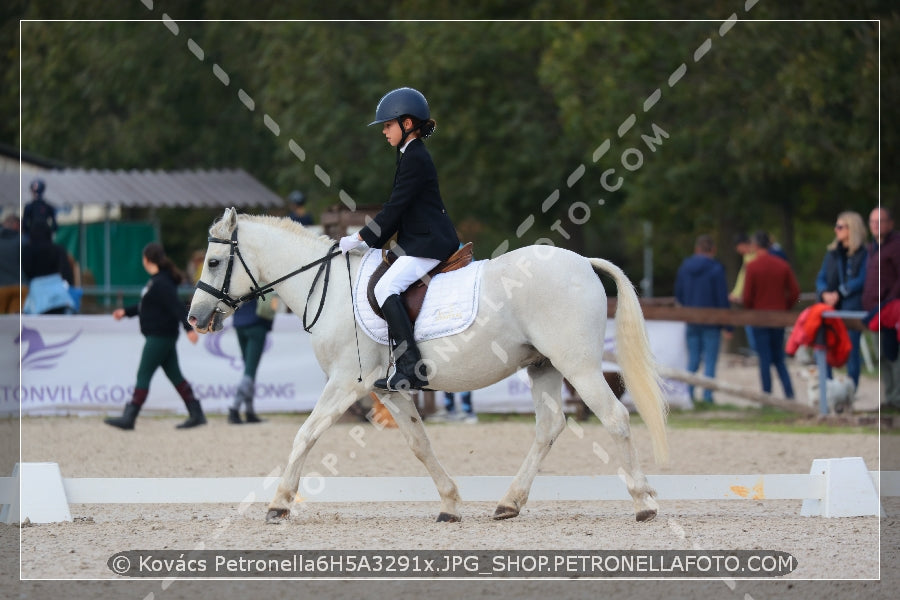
(884, 259)
(770, 284)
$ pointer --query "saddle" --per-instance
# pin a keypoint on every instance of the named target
(414, 296)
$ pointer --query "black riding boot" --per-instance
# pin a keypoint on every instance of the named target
(126, 421)
(246, 391)
(406, 353)
(195, 412)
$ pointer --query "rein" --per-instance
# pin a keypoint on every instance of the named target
(257, 291)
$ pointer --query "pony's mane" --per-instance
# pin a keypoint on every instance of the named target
(219, 228)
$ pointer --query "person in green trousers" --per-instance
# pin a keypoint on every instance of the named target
(160, 312)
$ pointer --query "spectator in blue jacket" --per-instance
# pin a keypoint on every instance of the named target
(701, 283)
(843, 274)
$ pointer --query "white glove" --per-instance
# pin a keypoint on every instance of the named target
(349, 242)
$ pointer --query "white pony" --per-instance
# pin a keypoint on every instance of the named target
(541, 308)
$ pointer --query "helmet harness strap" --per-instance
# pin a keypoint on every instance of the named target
(405, 132)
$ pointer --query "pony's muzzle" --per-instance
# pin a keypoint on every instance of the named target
(208, 325)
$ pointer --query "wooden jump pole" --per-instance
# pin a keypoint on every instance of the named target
(736, 390)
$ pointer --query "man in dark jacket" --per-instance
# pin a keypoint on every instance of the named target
(701, 282)
(38, 212)
(884, 258)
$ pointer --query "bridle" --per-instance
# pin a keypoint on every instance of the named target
(258, 291)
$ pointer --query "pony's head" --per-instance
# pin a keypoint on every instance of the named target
(224, 277)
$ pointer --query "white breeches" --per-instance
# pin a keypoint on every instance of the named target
(402, 274)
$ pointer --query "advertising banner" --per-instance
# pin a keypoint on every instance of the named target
(71, 364)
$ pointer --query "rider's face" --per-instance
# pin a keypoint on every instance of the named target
(392, 132)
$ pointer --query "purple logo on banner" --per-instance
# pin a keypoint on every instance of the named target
(38, 355)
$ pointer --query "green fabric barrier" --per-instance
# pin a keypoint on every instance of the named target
(127, 240)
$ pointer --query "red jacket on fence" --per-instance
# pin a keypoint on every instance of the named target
(806, 332)
(887, 318)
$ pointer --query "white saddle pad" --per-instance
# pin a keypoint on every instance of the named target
(450, 306)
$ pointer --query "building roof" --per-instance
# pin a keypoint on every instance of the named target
(188, 189)
(29, 158)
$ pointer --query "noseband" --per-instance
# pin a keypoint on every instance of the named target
(257, 291)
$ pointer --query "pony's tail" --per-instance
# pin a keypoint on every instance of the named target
(639, 369)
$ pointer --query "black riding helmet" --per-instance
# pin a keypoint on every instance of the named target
(400, 103)
(38, 186)
(297, 197)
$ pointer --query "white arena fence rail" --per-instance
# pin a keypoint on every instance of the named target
(834, 487)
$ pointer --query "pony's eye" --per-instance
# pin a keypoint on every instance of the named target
(213, 263)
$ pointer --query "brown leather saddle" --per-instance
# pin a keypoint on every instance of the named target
(414, 296)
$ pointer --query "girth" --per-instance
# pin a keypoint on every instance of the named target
(414, 296)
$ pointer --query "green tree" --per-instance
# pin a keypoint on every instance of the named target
(774, 127)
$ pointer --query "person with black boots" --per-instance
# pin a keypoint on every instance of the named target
(416, 214)
(252, 323)
(160, 312)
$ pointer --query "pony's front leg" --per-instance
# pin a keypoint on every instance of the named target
(333, 402)
(409, 422)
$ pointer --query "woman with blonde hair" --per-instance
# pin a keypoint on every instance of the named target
(843, 273)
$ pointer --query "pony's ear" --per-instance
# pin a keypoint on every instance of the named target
(230, 218)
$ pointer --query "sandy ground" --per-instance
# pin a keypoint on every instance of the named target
(825, 549)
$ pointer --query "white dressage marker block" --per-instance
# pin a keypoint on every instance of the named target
(849, 490)
(42, 488)
(9, 498)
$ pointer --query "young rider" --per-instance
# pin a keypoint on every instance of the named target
(416, 213)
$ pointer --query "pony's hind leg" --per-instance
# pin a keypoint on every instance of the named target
(329, 408)
(546, 391)
(410, 424)
(599, 397)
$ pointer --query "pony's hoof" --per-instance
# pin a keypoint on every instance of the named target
(505, 512)
(448, 518)
(645, 515)
(277, 515)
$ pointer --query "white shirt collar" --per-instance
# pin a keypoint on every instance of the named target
(408, 142)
